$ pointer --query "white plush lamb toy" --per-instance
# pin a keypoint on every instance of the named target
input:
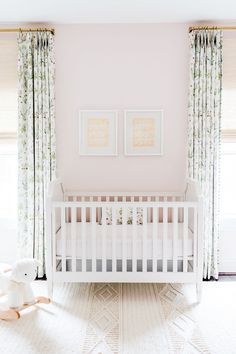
(16, 284)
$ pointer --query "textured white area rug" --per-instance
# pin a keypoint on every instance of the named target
(126, 319)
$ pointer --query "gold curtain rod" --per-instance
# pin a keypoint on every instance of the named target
(27, 30)
(212, 28)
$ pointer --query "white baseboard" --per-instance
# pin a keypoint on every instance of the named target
(227, 266)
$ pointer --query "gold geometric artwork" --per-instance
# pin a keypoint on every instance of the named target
(143, 133)
(98, 133)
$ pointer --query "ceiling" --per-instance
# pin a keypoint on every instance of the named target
(116, 11)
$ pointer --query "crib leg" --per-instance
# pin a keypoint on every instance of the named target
(199, 292)
(50, 288)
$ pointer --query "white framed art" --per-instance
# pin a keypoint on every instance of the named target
(143, 132)
(98, 133)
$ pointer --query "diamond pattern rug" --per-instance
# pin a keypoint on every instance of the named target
(103, 328)
(141, 318)
(126, 319)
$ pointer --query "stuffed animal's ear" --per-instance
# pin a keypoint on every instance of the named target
(37, 263)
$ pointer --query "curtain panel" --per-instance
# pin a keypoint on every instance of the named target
(204, 132)
(36, 139)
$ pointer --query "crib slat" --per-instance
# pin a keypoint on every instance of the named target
(75, 200)
(124, 235)
(144, 241)
(94, 257)
(185, 259)
(67, 210)
(134, 229)
(195, 240)
(83, 220)
(164, 240)
(104, 239)
(54, 263)
(63, 239)
(175, 238)
(99, 210)
(165, 199)
(113, 239)
(124, 238)
(181, 215)
(154, 238)
(73, 238)
(149, 210)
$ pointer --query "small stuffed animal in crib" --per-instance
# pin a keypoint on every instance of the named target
(17, 283)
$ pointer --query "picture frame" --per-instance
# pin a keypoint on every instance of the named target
(98, 132)
(143, 132)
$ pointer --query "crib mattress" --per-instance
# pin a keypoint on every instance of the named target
(128, 241)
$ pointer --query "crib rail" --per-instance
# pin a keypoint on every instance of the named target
(124, 236)
(123, 196)
(155, 216)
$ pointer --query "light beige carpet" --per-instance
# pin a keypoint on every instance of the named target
(126, 319)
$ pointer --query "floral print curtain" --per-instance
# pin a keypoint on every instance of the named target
(204, 133)
(36, 139)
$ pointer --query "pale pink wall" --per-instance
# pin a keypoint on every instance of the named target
(122, 67)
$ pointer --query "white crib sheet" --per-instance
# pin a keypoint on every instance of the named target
(119, 241)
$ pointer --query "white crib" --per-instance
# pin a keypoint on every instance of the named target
(124, 237)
